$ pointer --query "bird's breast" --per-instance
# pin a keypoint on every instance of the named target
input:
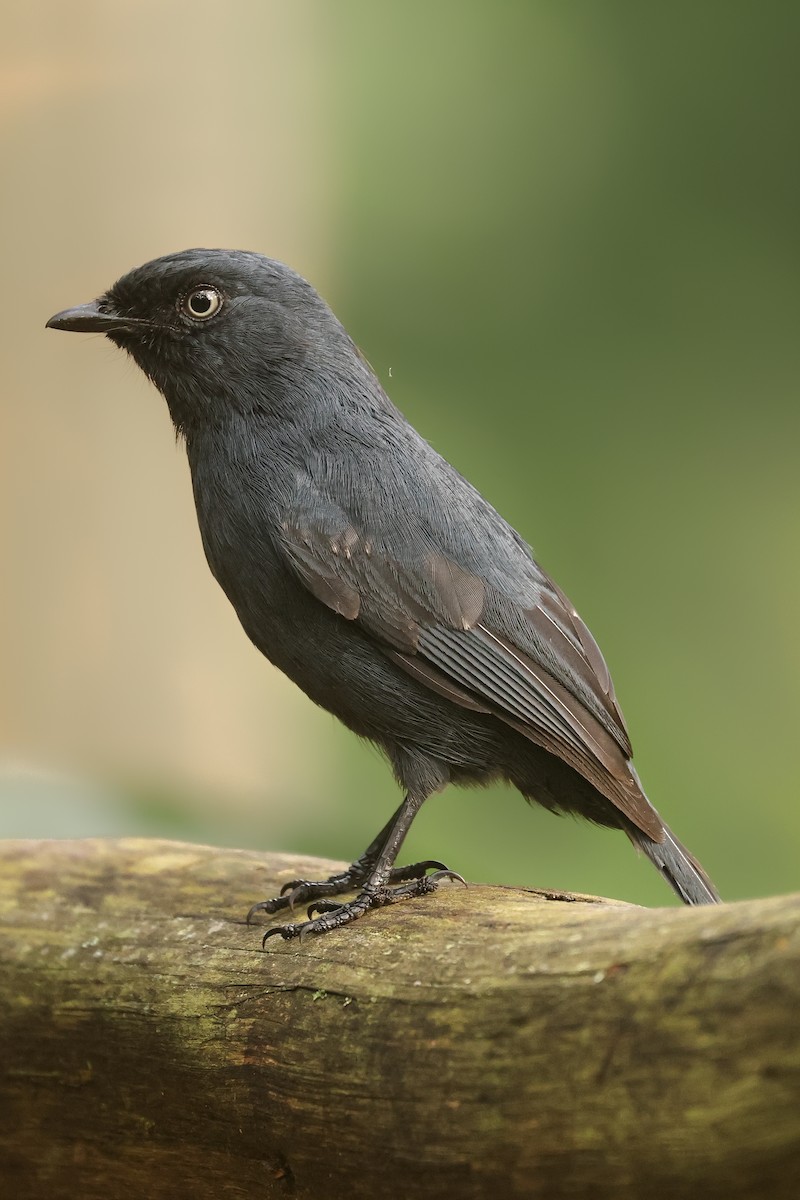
(238, 511)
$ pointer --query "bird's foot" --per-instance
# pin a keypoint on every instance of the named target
(333, 915)
(299, 891)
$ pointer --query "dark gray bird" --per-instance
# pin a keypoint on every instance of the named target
(369, 571)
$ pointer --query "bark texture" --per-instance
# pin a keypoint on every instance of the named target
(482, 1042)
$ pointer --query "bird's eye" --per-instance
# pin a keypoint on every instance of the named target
(202, 303)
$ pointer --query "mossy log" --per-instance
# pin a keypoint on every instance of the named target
(481, 1042)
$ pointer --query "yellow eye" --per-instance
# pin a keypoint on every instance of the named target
(202, 303)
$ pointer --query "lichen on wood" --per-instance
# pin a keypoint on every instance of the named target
(481, 1042)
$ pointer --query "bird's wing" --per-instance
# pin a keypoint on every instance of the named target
(537, 668)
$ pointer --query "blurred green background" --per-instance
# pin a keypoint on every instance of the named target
(566, 237)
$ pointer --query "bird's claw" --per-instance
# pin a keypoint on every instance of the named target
(265, 906)
(446, 873)
(324, 914)
(287, 932)
(295, 891)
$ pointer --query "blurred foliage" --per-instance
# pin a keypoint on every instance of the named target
(566, 237)
(571, 233)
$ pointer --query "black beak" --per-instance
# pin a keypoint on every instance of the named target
(90, 318)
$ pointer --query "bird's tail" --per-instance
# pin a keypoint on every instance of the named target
(682, 872)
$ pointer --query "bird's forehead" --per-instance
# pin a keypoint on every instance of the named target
(236, 271)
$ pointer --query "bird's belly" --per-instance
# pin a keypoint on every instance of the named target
(334, 662)
(288, 625)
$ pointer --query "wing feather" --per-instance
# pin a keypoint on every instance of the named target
(445, 626)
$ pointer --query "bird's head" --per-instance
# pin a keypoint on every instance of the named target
(217, 331)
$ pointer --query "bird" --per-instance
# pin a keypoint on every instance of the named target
(367, 569)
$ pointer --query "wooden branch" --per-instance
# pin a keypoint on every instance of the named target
(482, 1042)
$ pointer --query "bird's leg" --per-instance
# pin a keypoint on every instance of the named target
(374, 871)
(299, 891)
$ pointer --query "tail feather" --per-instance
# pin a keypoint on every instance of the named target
(682, 872)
